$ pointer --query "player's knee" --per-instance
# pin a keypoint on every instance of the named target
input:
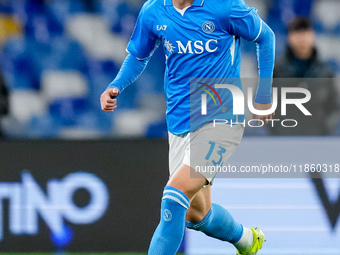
(182, 181)
(188, 189)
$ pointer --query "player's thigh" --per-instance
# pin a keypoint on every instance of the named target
(200, 205)
(211, 146)
(197, 149)
(182, 180)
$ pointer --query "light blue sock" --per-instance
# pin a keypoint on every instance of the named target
(169, 233)
(219, 223)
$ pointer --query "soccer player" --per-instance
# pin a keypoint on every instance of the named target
(201, 39)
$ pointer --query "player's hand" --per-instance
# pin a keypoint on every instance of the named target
(263, 107)
(108, 101)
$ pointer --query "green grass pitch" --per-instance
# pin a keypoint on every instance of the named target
(74, 254)
(78, 253)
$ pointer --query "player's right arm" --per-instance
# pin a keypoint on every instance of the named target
(128, 73)
(142, 44)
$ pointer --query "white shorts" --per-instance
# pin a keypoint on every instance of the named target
(207, 146)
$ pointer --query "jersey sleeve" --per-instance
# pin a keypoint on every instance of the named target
(143, 41)
(244, 21)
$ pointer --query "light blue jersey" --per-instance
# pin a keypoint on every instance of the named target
(202, 41)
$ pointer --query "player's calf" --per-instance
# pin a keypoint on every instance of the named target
(200, 205)
(169, 233)
(218, 223)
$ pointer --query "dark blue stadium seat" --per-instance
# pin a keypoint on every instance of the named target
(17, 65)
(66, 110)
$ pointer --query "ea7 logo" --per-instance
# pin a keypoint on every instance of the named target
(161, 27)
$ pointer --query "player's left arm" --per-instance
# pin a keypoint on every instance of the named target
(265, 45)
(244, 21)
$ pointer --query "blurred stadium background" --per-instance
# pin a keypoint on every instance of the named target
(57, 57)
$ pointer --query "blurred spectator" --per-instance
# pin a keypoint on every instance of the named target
(3, 100)
(301, 60)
